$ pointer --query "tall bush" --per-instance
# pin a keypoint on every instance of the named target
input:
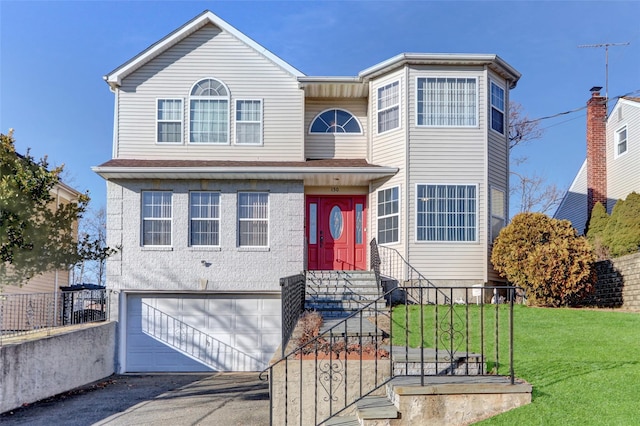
(618, 234)
(547, 258)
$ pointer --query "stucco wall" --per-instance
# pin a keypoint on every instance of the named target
(42, 367)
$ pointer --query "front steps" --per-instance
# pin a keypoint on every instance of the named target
(443, 400)
(338, 294)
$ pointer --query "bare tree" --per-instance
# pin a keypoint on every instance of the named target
(534, 193)
(521, 128)
(93, 226)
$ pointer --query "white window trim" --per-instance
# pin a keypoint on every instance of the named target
(377, 91)
(491, 212)
(170, 121)
(227, 98)
(236, 122)
(219, 219)
(616, 141)
(142, 220)
(474, 126)
(504, 113)
(347, 134)
(477, 227)
(389, 215)
(268, 220)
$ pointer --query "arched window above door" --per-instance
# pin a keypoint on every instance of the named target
(335, 121)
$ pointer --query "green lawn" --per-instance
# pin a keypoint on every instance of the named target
(584, 365)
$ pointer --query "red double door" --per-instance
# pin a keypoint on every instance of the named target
(336, 232)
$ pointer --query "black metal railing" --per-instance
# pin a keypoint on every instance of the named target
(292, 290)
(22, 314)
(449, 332)
(393, 270)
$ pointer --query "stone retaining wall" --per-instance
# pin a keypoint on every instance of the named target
(618, 283)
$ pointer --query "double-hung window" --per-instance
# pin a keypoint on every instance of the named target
(446, 212)
(253, 219)
(388, 215)
(156, 218)
(209, 112)
(204, 209)
(389, 107)
(497, 108)
(169, 120)
(446, 102)
(621, 141)
(248, 122)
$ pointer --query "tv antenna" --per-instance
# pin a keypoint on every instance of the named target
(606, 61)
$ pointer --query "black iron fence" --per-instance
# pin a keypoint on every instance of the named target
(292, 298)
(392, 270)
(22, 314)
(450, 332)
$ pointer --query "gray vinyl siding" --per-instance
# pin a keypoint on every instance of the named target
(336, 145)
(574, 204)
(449, 155)
(623, 172)
(389, 149)
(210, 53)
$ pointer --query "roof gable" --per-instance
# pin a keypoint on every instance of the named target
(114, 78)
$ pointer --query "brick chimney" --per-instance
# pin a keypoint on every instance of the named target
(596, 150)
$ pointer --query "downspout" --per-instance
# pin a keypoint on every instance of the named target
(487, 214)
(407, 190)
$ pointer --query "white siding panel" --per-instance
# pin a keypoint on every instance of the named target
(623, 172)
(319, 146)
(248, 75)
(453, 155)
(389, 149)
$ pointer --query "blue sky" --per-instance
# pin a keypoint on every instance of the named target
(53, 55)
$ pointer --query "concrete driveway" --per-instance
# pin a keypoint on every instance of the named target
(162, 399)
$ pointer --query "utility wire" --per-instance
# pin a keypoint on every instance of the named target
(576, 109)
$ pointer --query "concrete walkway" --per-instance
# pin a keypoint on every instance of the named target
(163, 399)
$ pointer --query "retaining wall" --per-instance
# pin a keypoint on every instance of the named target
(38, 368)
(618, 283)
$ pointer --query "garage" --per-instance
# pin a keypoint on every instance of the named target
(195, 332)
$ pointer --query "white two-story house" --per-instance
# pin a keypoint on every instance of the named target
(232, 169)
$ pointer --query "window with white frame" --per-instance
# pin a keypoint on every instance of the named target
(204, 212)
(498, 214)
(388, 215)
(156, 218)
(446, 212)
(248, 122)
(497, 108)
(621, 141)
(389, 107)
(169, 121)
(446, 102)
(335, 121)
(209, 112)
(253, 219)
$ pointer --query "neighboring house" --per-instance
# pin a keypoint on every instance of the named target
(232, 169)
(611, 170)
(49, 282)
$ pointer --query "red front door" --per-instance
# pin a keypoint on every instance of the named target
(335, 228)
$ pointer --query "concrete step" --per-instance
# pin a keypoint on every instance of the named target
(343, 421)
(343, 304)
(376, 408)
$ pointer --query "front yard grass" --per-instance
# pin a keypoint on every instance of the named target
(584, 365)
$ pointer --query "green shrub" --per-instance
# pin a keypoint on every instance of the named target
(547, 258)
(618, 234)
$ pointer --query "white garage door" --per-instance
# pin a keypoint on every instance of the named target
(201, 333)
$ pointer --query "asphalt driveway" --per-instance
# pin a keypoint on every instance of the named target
(161, 399)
